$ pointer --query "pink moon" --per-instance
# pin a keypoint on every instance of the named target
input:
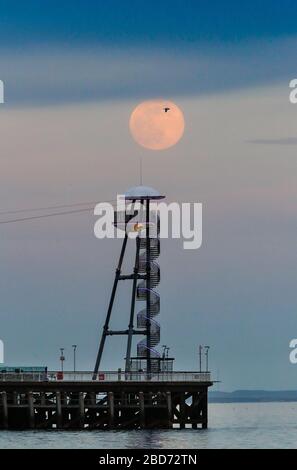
(157, 124)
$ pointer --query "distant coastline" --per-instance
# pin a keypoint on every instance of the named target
(250, 396)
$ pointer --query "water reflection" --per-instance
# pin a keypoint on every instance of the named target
(232, 425)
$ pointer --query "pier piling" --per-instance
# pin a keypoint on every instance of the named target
(4, 410)
(103, 405)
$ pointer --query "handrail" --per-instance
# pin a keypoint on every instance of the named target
(106, 376)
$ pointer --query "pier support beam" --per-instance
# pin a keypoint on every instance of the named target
(93, 398)
(110, 409)
(142, 411)
(81, 403)
(4, 410)
(31, 410)
(205, 411)
(14, 398)
(58, 410)
(42, 399)
(169, 408)
(195, 413)
(182, 410)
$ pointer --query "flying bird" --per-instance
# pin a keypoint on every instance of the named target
(166, 109)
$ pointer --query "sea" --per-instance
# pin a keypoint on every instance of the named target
(231, 425)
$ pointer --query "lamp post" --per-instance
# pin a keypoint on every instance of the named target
(206, 356)
(74, 357)
(167, 352)
(167, 368)
(62, 358)
(200, 357)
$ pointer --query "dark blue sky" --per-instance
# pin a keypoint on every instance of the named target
(138, 21)
(70, 51)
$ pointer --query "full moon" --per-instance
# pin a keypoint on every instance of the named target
(157, 124)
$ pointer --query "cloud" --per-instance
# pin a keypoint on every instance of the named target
(282, 141)
(41, 76)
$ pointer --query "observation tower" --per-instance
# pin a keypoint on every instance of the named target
(141, 224)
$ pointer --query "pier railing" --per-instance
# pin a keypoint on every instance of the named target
(107, 377)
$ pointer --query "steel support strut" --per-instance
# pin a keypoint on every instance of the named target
(106, 324)
(131, 322)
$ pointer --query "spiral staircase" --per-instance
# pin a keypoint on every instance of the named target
(146, 293)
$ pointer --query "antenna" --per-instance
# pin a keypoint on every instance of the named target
(140, 170)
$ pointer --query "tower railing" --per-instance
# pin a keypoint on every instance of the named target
(106, 376)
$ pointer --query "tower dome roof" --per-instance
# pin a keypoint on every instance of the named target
(143, 192)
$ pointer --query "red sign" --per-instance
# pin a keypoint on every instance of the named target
(60, 375)
(101, 376)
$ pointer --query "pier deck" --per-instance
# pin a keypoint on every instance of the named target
(104, 404)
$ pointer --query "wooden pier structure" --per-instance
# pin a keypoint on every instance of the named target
(113, 401)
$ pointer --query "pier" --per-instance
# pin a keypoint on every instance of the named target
(115, 400)
(148, 394)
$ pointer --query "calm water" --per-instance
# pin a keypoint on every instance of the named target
(231, 425)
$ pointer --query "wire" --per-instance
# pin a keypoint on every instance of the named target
(17, 211)
(53, 214)
(33, 217)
